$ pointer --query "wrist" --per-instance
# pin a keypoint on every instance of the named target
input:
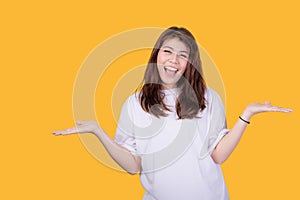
(97, 131)
(248, 122)
(246, 115)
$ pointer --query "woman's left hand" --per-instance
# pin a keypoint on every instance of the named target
(255, 108)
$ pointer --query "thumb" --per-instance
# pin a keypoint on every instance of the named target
(79, 122)
(267, 103)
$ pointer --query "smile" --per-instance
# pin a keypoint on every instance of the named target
(170, 69)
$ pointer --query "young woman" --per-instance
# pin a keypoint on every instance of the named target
(173, 131)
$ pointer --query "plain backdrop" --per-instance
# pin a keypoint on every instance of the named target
(254, 44)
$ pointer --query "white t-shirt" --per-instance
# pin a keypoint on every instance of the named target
(176, 161)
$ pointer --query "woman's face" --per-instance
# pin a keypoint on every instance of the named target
(172, 59)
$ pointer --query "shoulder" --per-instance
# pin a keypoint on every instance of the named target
(211, 94)
(133, 101)
(134, 98)
(212, 97)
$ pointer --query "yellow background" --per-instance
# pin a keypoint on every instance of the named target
(255, 45)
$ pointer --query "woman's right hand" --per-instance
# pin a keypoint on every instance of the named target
(122, 156)
(81, 127)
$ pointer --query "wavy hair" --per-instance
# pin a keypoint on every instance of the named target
(192, 85)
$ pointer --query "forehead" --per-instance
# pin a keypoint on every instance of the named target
(176, 44)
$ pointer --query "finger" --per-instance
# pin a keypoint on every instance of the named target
(280, 109)
(57, 132)
(267, 103)
(60, 132)
(66, 131)
(79, 122)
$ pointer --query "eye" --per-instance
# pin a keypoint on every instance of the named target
(167, 51)
(183, 56)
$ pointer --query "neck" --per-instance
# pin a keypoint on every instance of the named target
(168, 87)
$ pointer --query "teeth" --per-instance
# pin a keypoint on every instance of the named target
(171, 69)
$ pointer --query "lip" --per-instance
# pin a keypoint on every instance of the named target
(171, 68)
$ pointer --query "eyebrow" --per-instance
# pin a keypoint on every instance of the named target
(173, 49)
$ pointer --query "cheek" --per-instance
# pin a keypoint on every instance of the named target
(183, 65)
(161, 59)
(158, 60)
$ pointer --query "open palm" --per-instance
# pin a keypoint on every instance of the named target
(81, 127)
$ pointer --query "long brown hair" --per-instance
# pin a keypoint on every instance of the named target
(192, 85)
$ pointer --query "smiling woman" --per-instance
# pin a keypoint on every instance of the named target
(171, 62)
(173, 131)
(174, 62)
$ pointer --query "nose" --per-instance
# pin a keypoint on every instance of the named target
(173, 58)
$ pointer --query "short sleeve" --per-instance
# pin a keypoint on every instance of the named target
(217, 125)
(124, 135)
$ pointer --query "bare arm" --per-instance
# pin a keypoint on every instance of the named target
(122, 156)
(231, 140)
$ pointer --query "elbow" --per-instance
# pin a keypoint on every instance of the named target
(131, 166)
(133, 171)
(219, 161)
(136, 167)
(218, 157)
